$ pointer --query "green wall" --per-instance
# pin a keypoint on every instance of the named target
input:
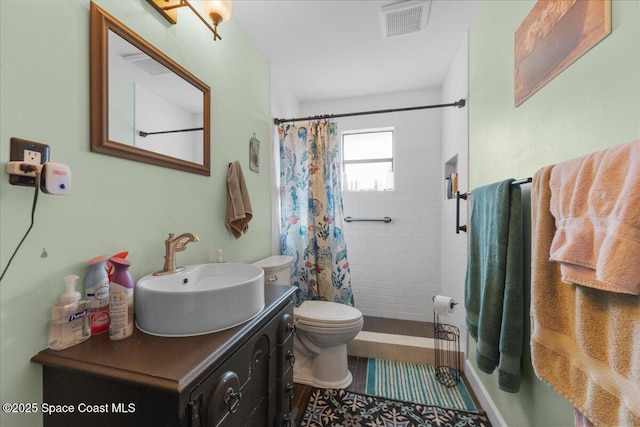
(115, 204)
(593, 104)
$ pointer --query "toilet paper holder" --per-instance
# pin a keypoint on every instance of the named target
(447, 349)
(452, 304)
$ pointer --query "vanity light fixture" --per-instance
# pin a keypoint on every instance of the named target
(218, 11)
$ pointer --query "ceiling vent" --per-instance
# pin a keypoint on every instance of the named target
(146, 63)
(404, 17)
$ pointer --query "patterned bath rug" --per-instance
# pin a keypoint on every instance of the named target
(341, 408)
(415, 383)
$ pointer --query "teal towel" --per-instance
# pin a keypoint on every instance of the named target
(494, 297)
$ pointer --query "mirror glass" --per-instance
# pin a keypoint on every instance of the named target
(145, 106)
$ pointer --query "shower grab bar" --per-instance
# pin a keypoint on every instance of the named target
(386, 219)
(464, 196)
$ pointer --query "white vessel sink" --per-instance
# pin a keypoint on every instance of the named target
(199, 300)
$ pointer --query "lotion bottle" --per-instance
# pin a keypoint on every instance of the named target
(120, 300)
(96, 290)
(69, 324)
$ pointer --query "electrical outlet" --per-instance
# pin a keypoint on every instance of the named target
(26, 151)
(32, 156)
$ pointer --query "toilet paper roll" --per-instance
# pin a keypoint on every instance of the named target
(443, 304)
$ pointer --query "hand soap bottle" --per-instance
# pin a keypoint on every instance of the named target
(69, 323)
(120, 300)
(96, 289)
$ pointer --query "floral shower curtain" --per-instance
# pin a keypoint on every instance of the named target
(311, 212)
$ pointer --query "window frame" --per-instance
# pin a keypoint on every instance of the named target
(371, 160)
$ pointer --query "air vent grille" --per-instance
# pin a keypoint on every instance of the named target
(404, 18)
(146, 63)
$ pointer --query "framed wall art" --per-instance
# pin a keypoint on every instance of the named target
(254, 154)
(552, 36)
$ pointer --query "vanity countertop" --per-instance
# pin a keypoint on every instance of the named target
(167, 363)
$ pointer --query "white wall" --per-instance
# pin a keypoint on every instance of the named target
(395, 267)
(455, 142)
(284, 104)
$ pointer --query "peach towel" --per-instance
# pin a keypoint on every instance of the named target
(596, 206)
(239, 211)
(580, 420)
(585, 342)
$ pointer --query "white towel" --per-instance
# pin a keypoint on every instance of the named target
(595, 202)
(239, 211)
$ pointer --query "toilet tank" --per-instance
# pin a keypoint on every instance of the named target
(277, 269)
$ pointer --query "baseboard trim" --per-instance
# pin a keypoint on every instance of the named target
(483, 396)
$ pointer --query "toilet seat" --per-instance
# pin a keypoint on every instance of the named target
(327, 314)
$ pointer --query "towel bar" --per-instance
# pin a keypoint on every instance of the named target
(386, 219)
(464, 196)
(459, 227)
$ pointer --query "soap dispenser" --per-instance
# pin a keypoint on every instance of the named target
(69, 323)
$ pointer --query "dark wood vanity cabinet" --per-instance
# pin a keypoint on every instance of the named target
(239, 377)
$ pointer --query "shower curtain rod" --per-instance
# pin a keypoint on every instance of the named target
(461, 103)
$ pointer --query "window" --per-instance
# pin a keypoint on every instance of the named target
(367, 159)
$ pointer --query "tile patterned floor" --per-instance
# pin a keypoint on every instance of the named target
(358, 368)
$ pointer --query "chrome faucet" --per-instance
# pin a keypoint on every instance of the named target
(173, 245)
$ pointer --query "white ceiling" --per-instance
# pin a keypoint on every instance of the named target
(330, 49)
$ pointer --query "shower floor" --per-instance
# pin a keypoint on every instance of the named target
(393, 339)
(410, 328)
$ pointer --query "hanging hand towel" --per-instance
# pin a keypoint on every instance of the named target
(595, 202)
(494, 284)
(238, 204)
(584, 342)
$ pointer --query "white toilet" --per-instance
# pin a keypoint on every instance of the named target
(323, 331)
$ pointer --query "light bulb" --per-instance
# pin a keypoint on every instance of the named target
(218, 10)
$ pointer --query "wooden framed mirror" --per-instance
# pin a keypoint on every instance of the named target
(144, 106)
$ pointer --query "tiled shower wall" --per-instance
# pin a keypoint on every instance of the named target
(395, 267)
(455, 130)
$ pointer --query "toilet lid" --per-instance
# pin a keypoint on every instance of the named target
(275, 262)
(327, 312)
